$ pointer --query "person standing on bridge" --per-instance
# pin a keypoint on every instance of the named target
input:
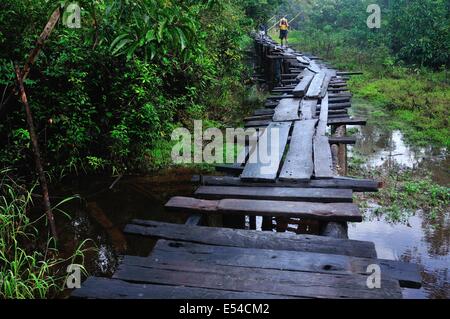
(284, 29)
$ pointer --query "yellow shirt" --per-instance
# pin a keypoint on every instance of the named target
(285, 25)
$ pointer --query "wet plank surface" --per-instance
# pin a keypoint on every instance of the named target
(298, 164)
(301, 284)
(320, 211)
(251, 238)
(107, 288)
(322, 195)
(357, 185)
(165, 251)
(287, 110)
(272, 143)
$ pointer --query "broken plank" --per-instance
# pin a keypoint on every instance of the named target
(251, 238)
(322, 125)
(315, 87)
(302, 87)
(330, 212)
(322, 195)
(272, 142)
(298, 164)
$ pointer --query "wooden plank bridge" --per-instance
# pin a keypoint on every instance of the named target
(305, 185)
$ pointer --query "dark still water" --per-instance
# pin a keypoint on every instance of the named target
(421, 239)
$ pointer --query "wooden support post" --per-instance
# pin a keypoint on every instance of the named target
(267, 223)
(342, 151)
(252, 220)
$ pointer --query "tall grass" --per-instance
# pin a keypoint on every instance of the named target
(30, 267)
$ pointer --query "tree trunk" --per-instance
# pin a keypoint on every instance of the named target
(37, 155)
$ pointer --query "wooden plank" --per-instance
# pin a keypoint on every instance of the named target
(322, 195)
(322, 125)
(347, 121)
(259, 123)
(263, 112)
(315, 87)
(269, 281)
(107, 288)
(334, 100)
(233, 169)
(255, 169)
(330, 212)
(287, 110)
(408, 274)
(349, 73)
(326, 82)
(308, 108)
(279, 97)
(357, 185)
(251, 238)
(302, 87)
(342, 140)
(298, 164)
(323, 163)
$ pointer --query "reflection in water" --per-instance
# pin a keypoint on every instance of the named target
(422, 239)
(102, 214)
(385, 148)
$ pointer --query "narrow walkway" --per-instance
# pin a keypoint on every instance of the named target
(193, 261)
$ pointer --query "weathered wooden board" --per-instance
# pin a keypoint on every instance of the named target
(323, 162)
(107, 288)
(259, 123)
(298, 164)
(342, 140)
(408, 274)
(263, 112)
(232, 169)
(279, 97)
(357, 185)
(335, 100)
(323, 118)
(258, 117)
(349, 73)
(287, 110)
(308, 108)
(272, 142)
(302, 87)
(251, 238)
(269, 281)
(347, 121)
(315, 88)
(322, 195)
(330, 212)
(326, 82)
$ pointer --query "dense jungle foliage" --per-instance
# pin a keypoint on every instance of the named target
(108, 95)
(405, 62)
